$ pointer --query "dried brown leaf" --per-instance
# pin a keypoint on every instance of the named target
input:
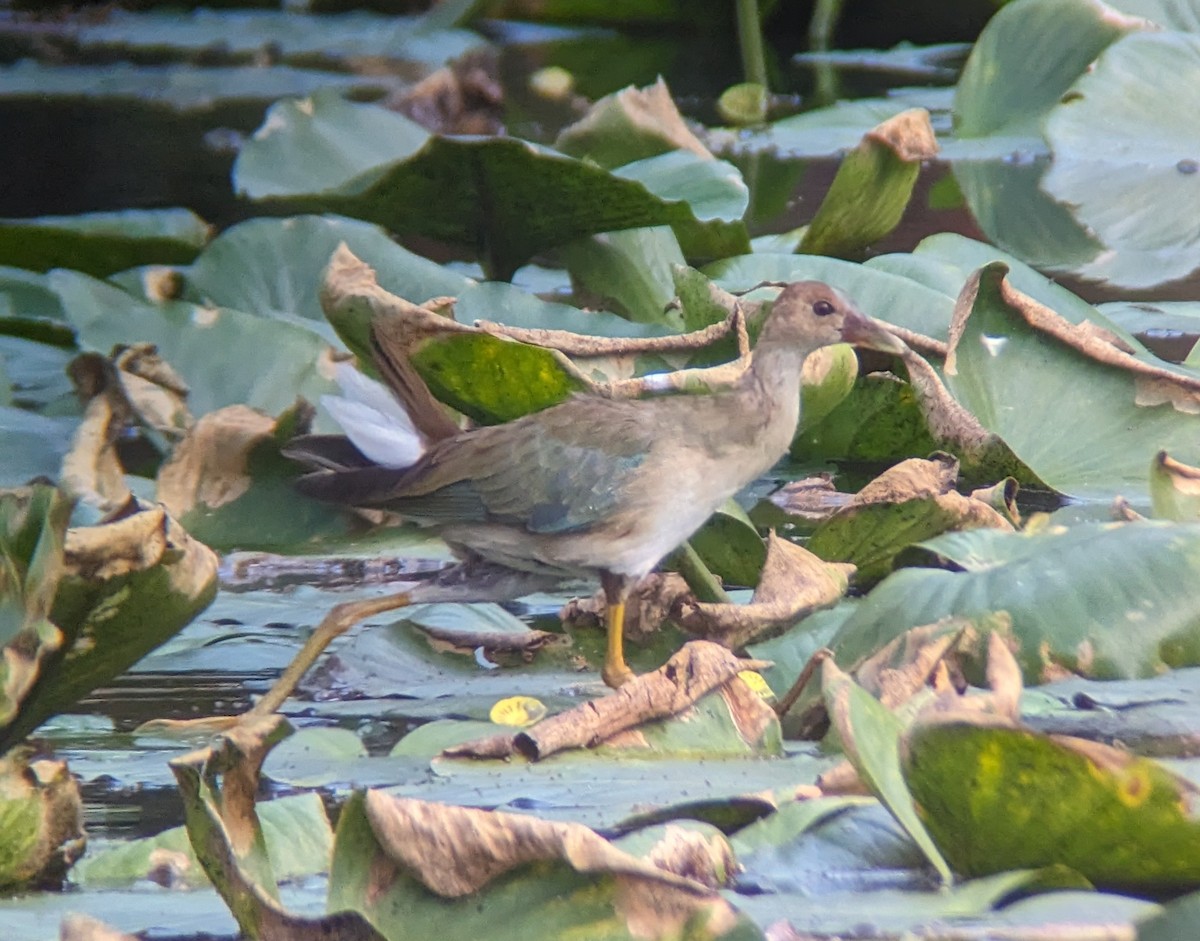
(457, 851)
(909, 134)
(464, 97)
(209, 467)
(794, 583)
(911, 479)
(698, 668)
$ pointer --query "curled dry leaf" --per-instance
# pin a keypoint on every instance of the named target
(132, 387)
(655, 599)
(130, 544)
(704, 858)
(909, 664)
(911, 479)
(1001, 497)
(585, 346)
(645, 122)
(954, 426)
(209, 468)
(464, 97)
(909, 134)
(218, 787)
(794, 583)
(457, 851)
(698, 668)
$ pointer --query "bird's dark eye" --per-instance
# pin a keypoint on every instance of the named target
(822, 308)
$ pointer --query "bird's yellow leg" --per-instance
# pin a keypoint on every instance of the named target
(616, 671)
(339, 620)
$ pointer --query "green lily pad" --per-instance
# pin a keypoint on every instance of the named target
(1179, 919)
(218, 351)
(629, 272)
(630, 124)
(1099, 444)
(102, 243)
(1002, 797)
(1127, 613)
(33, 445)
(270, 266)
(878, 420)
(179, 87)
(41, 812)
(1133, 192)
(26, 300)
(827, 131)
(730, 546)
(535, 199)
(1024, 61)
(1174, 489)
(83, 608)
(299, 38)
(316, 144)
(872, 536)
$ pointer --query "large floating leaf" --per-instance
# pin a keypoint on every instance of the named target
(999, 797)
(181, 87)
(1101, 439)
(505, 198)
(1007, 89)
(828, 131)
(104, 242)
(220, 353)
(490, 379)
(296, 832)
(265, 266)
(1026, 58)
(1127, 158)
(1129, 612)
(299, 38)
(316, 144)
(33, 445)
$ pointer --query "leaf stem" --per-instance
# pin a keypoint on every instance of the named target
(754, 62)
(700, 580)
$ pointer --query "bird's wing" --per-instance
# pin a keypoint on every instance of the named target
(561, 470)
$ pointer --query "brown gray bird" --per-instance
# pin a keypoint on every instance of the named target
(593, 486)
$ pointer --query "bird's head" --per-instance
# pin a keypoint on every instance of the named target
(810, 314)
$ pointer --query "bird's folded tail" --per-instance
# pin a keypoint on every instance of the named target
(375, 423)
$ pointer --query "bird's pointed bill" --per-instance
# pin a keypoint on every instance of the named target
(865, 332)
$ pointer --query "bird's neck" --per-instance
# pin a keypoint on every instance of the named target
(775, 372)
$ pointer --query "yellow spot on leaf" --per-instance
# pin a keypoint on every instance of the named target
(756, 682)
(518, 711)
